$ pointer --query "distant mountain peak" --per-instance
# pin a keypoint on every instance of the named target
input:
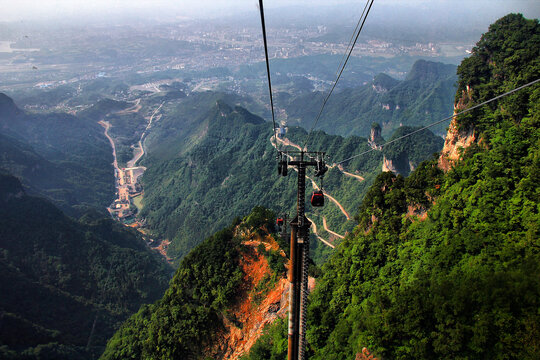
(239, 113)
(8, 107)
(425, 70)
(10, 187)
(382, 83)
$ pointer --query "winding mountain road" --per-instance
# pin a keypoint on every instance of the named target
(330, 231)
(107, 126)
(314, 228)
(137, 157)
(134, 109)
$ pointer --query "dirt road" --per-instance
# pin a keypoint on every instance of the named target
(133, 162)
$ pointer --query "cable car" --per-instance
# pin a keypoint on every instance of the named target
(317, 199)
(279, 221)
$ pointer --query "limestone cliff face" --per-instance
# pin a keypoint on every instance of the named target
(257, 305)
(375, 133)
(402, 165)
(375, 137)
(456, 140)
(388, 165)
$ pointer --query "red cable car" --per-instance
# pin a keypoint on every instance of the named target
(279, 221)
(317, 199)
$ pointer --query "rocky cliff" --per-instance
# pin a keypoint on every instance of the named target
(257, 304)
(221, 298)
(457, 139)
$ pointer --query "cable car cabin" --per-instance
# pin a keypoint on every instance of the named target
(279, 221)
(317, 199)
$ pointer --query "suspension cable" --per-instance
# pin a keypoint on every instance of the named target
(370, 2)
(268, 72)
(443, 120)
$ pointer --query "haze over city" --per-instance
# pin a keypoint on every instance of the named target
(170, 9)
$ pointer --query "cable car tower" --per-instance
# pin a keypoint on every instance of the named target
(299, 255)
(299, 259)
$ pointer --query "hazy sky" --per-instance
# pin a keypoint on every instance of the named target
(16, 10)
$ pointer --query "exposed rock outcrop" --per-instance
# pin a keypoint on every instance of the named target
(400, 166)
(456, 140)
(375, 137)
(257, 305)
(388, 165)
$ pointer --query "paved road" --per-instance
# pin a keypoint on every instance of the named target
(137, 157)
(330, 231)
(314, 228)
(107, 126)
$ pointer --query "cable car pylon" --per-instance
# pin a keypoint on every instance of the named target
(299, 251)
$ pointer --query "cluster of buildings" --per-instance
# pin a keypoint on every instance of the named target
(127, 187)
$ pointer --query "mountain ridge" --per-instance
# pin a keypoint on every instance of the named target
(77, 171)
(59, 275)
(424, 96)
(444, 264)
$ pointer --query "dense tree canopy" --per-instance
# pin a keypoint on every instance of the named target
(58, 276)
(447, 265)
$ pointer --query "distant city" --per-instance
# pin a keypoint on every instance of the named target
(199, 52)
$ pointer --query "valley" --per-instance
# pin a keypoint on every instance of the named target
(127, 183)
(141, 205)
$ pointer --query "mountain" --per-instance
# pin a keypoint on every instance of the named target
(204, 169)
(445, 263)
(60, 156)
(222, 295)
(8, 107)
(403, 156)
(67, 285)
(182, 123)
(225, 170)
(24, 162)
(425, 96)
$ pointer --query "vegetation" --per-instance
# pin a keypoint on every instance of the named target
(60, 278)
(62, 157)
(205, 167)
(423, 97)
(101, 108)
(227, 169)
(408, 153)
(272, 345)
(444, 265)
(505, 57)
(188, 318)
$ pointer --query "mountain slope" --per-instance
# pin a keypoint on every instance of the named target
(424, 96)
(230, 169)
(217, 293)
(446, 265)
(205, 169)
(75, 148)
(58, 276)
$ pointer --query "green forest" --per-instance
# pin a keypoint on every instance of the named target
(60, 278)
(218, 164)
(419, 99)
(446, 265)
(57, 155)
(185, 322)
(437, 262)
